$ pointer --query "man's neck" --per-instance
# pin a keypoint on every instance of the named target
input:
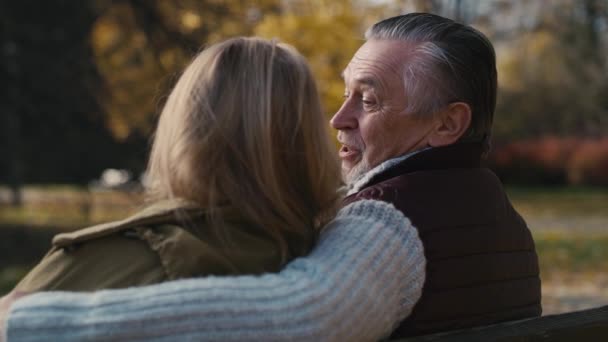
(455, 156)
(364, 179)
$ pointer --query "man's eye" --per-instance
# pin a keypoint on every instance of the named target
(368, 102)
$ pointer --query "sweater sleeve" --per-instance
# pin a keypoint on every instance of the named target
(363, 277)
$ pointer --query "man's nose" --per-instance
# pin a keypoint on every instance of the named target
(345, 117)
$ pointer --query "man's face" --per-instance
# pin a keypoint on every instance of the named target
(372, 123)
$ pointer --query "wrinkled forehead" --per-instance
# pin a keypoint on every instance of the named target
(378, 62)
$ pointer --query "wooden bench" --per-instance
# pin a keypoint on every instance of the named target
(579, 326)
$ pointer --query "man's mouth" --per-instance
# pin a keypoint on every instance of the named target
(348, 152)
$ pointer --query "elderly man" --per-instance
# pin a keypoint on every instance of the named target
(419, 101)
(420, 96)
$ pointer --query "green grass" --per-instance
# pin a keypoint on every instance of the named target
(10, 276)
(578, 211)
(571, 253)
(67, 207)
(560, 201)
(570, 227)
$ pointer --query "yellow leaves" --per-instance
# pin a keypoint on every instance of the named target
(327, 34)
(539, 42)
(134, 56)
(509, 69)
(170, 59)
(190, 21)
(105, 34)
(535, 56)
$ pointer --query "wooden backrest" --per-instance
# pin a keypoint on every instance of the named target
(579, 326)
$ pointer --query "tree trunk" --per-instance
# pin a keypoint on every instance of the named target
(13, 156)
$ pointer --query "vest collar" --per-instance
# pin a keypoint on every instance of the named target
(456, 156)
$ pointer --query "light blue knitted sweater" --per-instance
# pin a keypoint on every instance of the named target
(363, 278)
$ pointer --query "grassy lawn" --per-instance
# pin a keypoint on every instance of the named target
(576, 254)
(567, 209)
(570, 227)
(67, 207)
(10, 276)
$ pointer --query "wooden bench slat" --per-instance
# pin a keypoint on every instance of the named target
(579, 326)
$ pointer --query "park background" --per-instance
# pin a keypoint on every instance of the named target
(82, 83)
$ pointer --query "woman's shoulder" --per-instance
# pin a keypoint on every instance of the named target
(108, 255)
(87, 263)
(200, 246)
(165, 241)
(155, 214)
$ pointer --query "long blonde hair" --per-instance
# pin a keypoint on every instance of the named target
(244, 126)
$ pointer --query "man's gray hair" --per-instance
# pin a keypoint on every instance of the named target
(449, 62)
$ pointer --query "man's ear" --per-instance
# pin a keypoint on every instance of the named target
(451, 124)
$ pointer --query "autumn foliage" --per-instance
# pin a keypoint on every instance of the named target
(83, 81)
(553, 160)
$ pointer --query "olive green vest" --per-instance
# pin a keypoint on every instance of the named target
(152, 246)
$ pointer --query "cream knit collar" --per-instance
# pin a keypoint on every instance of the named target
(362, 181)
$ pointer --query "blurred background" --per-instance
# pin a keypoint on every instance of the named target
(82, 83)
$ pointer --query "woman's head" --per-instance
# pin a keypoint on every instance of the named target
(243, 126)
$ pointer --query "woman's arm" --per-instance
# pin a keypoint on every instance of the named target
(363, 277)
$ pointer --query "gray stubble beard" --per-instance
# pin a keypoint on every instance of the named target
(353, 175)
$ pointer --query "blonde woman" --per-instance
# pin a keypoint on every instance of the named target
(241, 176)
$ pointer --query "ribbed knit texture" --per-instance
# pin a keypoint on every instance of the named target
(363, 277)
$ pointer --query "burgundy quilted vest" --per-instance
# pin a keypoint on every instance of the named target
(482, 266)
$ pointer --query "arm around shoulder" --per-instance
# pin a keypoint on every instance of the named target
(360, 281)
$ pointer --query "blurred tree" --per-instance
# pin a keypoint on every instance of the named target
(460, 10)
(10, 137)
(52, 121)
(80, 78)
(327, 33)
(82, 81)
(137, 43)
(553, 78)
